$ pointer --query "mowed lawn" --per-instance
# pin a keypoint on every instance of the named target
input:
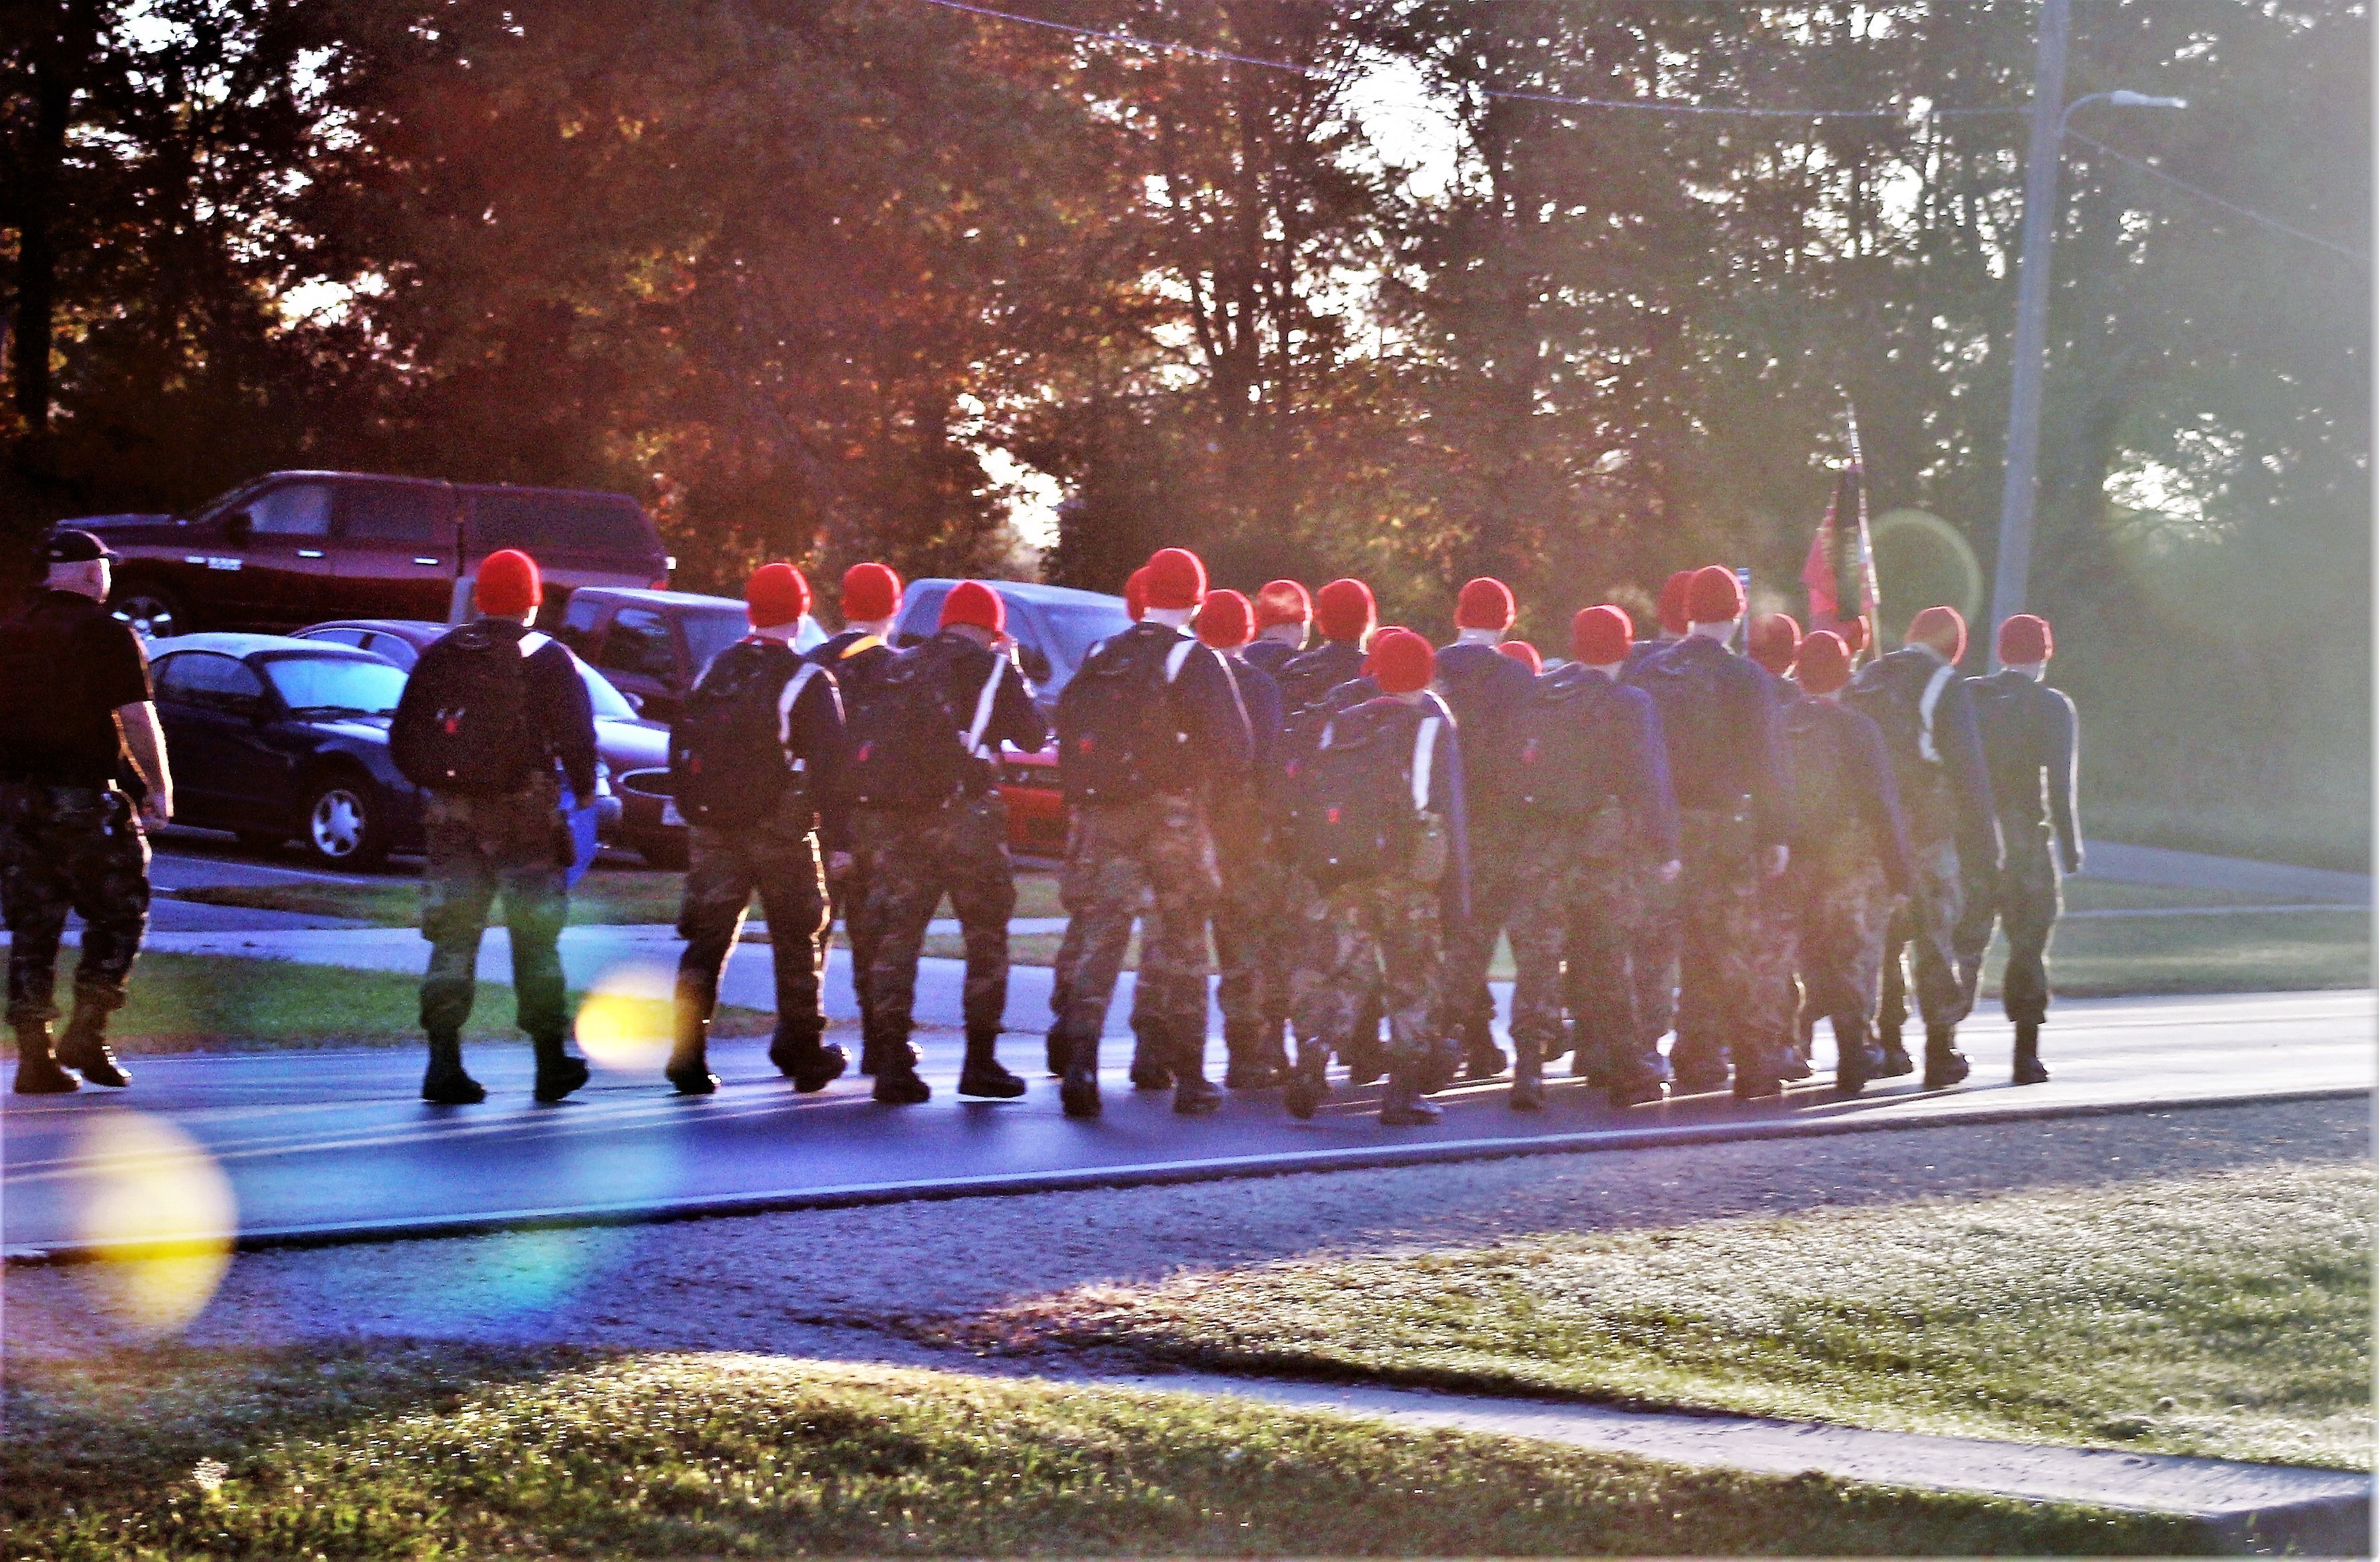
(447, 1452)
(2228, 1315)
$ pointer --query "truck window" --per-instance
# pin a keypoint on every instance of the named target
(403, 513)
(293, 509)
(605, 523)
(638, 642)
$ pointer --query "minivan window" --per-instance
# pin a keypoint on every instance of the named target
(391, 512)
(1074, 627)
(608, 523)
(638, 642)
(708, 632)
(293, 509)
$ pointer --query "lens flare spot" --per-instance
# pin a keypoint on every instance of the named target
(161, 1212)
(625, 1023)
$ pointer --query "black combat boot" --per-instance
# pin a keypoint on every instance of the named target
(558, 1072)
(897, 1076)
(37, 1072)
(1944, 1064)
(1896, 1056)
(2029, 1070)
(1857, 1059)
(1194, 1095)
(1148, 1060)
(1055, 1048)
(689, 1069)
(1080, 1094)
(807, 1060)
(444, 1084)
(83, 1048)
(1367, 1060)
(1698, 1068)
(981, 1074)
(1247, 1065)
(1482, 1058)
(1528, 1076)
(1309, 1081)
(1402, 1105)
(876, 1057)
(1638, 1080)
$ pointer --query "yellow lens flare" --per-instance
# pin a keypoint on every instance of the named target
(161, 1214)
(625, 1023)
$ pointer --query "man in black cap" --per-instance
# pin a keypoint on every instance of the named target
(82, 777)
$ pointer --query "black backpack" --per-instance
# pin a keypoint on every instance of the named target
(1117, 737)
(909, 748)
(1891, 693)
(1355, 814)
(1560, 752)
(463, 722)
(40, 686)
(1811, 742)
(727, 748)
(1679, 685)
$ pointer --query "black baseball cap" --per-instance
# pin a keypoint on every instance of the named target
(70, 546)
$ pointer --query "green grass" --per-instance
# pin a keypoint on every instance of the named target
(455, 1453)
(2228, 1315)
(2337, 836)
(225, 1002)
(2241, 952)
(606, 896)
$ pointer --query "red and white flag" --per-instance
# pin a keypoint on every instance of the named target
(1840, 570)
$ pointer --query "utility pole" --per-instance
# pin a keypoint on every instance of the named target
(2041, 164)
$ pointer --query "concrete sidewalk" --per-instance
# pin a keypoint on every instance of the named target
(2118, 863)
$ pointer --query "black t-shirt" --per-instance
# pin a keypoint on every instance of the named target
(101, 666)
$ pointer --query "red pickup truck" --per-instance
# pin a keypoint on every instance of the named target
(293, 547)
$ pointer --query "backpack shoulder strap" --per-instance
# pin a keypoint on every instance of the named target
(1926, 702)
(1179, 656)
(984, 701)
(786, 699)
(533, 642)
(1425, 756)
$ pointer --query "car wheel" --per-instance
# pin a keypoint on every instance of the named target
(344, 824)
(667, 852)
(154, 612)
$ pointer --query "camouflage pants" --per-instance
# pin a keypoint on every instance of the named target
(847, 901)
(1252, 930)
(1377, 936)
(1303, 911)
(1730, 968)
(70, 849)
(1653, 960)
(914, 857)
(1151, 860)
(1577, 902)
(1926, 927)
(1842, 911)
(480, 848)
(779, 857)
(2025, 899)
(1501, 881)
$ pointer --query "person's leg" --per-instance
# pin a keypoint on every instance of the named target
(712, 907)
(35, 898)
(983, 894)
(1540, 933)
(1935, 903)
(905, 883)
(791, 881)
(1495, 873)
(108, 862)
(1101, 888)
(1652, 959)
(1405, 923)
(1179, 858)
(1707, 919)
(1338, 968)
(459, 884)
(529, 871)
(2031, 903)
(1606, 898)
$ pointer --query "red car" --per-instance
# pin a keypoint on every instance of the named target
(293, 547)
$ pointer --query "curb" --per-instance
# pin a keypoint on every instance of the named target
(1148, 1174)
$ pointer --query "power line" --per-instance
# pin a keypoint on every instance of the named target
(2274, 222)
(1640, 105)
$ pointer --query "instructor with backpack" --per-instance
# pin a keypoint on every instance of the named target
(493, 719)
(755, 758)
(928, 820)
(1151, 716)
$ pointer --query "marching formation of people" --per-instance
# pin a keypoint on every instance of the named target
(1676, 840)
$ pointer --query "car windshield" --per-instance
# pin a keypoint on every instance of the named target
(341, 686)
(1074, 627)
(710, 631)
(609, 703)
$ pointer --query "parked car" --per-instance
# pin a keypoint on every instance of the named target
(291, 547)
(271, 738)
(1055, 627)
(633, 750)
(652, 645)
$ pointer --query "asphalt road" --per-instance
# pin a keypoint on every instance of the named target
(324, 1146)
